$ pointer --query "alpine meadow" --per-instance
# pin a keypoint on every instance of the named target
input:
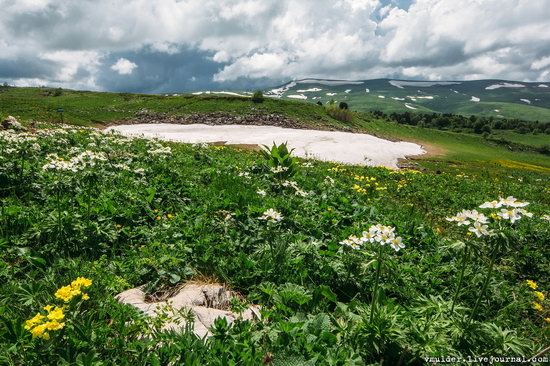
(274, 183)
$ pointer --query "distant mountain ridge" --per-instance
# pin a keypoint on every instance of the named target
(491, 97)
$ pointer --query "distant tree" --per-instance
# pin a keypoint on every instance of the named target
(58, 92)
(343, 105)
(258, 97)
(486, 129)
(478, 127)
(5, 85)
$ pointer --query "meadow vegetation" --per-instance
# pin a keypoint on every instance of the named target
(350, 265)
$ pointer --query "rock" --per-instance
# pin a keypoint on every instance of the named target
(205, 302)
(11, 123)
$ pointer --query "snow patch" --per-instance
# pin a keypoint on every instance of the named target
(381, 96)
(409, 106)
(331, 94)
(230, 93)
(347, 91)
(297, 96)
(309, 90)
(543, 86)
(504, 85)
(475, 99)
(278, 92)
(342, 147)
(497, 110)
(397, 98)
(526, 101)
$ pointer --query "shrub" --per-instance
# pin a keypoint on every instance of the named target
(319, 102)
(338, 113)
(279, 159)
(258, 97)
(343, 105)
(58, 92)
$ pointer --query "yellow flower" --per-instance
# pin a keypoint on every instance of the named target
(81, 282)
(56, 314)
(157, 218)
(48, 308)
(85, 297)
(532, 284)
(539, 296)
(35, 320)
(547, 320)
(54, 325)
(40, 332)
(64, 293)
(170, 216)
(537, 306)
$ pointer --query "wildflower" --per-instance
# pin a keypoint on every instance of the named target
(261, 192)
(532, 284)
(537, 306)
(511, 201)
(461, 218)
(539, 296)
(85, 297)
(547, 320)
(56, 314)
(40, 332)
(35, 320)
(491, 204)
(353, 242)
(67, 293)
(513, 215)
(329, 180)
(546, 217)
(82, 282)
(169, 216)
(279, 169)
(479, 229)
(271, 216)
(397, 243)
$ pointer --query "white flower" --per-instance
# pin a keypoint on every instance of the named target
(351, 242)
(301, 193)
(511, 201)
(261, 192)
(491, 204)
(271, 216)
(546, 217)
(244, 174)
(307, 164)
(479, 229)
(513, 215)
(477, 217)
(461, 218)
(329, 180)
(397, 243)
(279, 169)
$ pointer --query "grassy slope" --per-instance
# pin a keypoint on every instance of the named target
(85, 108)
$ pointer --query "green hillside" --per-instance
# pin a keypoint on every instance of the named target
(496, 98)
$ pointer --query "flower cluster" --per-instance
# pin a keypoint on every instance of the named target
(79, 162)
(67, 293)
(539, 298)
(376, 234)
(512, 212)
(40, 325)
(279, 169)
(297, 190)
(271, 216)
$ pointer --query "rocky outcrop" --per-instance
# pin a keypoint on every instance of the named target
(205, 302)
(11, 123)
(221, 118)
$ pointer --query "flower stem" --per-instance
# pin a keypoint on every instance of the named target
(460, 278)
(376, 281)
(485, 283)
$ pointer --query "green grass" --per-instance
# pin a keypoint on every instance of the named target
(154, 214)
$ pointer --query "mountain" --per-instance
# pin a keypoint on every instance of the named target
(497, 98)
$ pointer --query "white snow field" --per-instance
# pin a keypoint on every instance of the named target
(341, 147)
(474, 99)
(504, 85)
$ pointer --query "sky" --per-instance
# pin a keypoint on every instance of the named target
(160, 46)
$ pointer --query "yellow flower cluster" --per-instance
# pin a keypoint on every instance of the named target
(40, 325)
(538, 303)
(67, 293)
(337, 169)
(357, 188)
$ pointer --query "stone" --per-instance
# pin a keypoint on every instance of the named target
(11, 123)
(205, 302)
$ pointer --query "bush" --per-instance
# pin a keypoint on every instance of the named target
(58, 92)
(258, 97)
(319, 102)
(343, 105)
(338, 113)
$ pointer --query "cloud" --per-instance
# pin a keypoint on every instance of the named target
(246, 43)
(124, 66)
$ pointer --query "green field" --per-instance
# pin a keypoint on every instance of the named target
(87, 215)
